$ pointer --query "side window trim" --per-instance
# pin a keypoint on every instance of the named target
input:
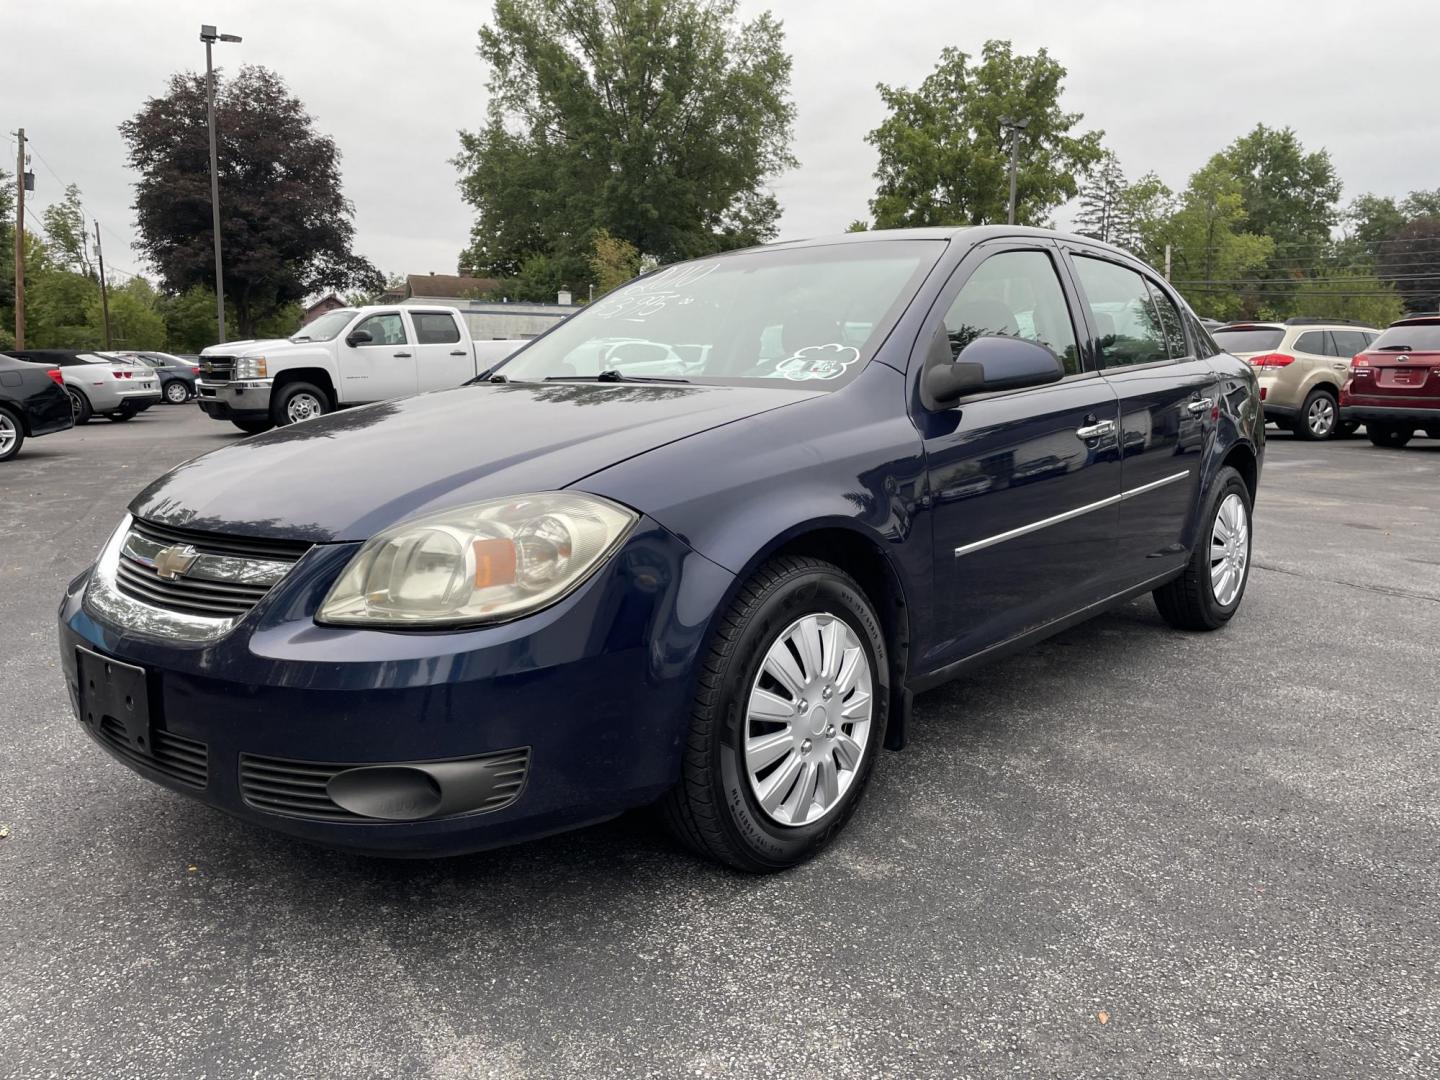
(1071, 252)
(965, 270)
(1159, 296)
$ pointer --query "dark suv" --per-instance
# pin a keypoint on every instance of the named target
(1394, 386)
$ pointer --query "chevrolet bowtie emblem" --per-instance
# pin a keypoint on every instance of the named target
(175, 562)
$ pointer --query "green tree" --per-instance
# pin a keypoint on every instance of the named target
(1101, 197)
(135, 318)
(57, 308)
(660, 121)
(1411, 262)
(286, 226)
(1288, 195)
(1344, 293)
(613, 263)
(65, 234)
(1144, 210)
(944, 159)
(1211, 250)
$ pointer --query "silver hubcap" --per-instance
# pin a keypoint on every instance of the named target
(303, 407)
(7, 433)
(74, 402)
(1321, 416)
(807, 723)
(176, 392)
(1229, 549)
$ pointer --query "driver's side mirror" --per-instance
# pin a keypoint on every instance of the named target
(988, 363)
(358, 337)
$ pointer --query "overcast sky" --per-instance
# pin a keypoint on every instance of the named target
(391, 83)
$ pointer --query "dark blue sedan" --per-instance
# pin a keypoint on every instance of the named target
(697, 546)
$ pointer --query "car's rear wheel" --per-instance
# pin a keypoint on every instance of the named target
(1389, 436)
(1208, 593)
(253, 427)
(12, 434)
(1318, 416)
(787, 720)
(176, 392)
(79, 405)
(298, 401)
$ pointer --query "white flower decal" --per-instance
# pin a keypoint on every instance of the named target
(818, 362)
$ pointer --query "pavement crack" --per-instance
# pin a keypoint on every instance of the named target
(1350, 584)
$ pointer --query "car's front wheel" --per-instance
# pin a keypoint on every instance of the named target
(788, 718)
(1208, 592)
(12, 434)
(298, 401)
(253, 427)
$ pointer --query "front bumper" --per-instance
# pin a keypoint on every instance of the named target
(247, 400)
(595, 690)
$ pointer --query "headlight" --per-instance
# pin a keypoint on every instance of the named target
(483, 563)
(250, 367)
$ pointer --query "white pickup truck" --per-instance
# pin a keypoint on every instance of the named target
(349, 356)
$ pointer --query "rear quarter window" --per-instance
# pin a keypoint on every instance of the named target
(1248, 339)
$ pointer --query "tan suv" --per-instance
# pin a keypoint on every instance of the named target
(1301, 364)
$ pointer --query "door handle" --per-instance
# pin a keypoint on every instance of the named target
(1200, 405)
(402, 354)
(1341, 367)
(1095, 430)
(457, 352)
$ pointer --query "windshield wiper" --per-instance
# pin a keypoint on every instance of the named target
(1395, 348)
(612, 376)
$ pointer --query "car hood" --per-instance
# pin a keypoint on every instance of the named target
(348, 475)
(247, 346)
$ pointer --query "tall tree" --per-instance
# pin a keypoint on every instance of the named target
(1144, 209)
(614, 262)
(1101, 197)
(1211, 250)
(286, 227)
(1288, 194)
(660, 121)
(65, 233)
(1411, 262)
(944, 159)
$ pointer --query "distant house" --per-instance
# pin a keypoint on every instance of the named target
(487, 319)
(328, 302)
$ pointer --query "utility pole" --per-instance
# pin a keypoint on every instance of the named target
(20, 243)
(1014, 127)
(209, 36)
(104, 291)
(1167, 262)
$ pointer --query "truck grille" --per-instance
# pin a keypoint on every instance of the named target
(216, 368)
(173, 755)
(298, 788)
(225, 577)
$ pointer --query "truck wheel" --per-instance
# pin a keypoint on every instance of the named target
(253, 427)
(79, 406)
(1318, 416)
(787, 720)
(298, 401)
(12, 434)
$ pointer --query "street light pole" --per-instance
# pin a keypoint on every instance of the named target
(1014, 127)
(209, 37)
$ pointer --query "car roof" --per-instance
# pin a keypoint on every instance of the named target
(1420, 319)
(973, 234)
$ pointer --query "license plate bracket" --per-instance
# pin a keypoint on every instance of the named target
(118, 690)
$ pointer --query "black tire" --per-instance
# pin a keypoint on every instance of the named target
(280, 404)
(12, 434)
(1392, 438)
(1322, 425)
(1346, 429)
(79, 406)
(176, 392)
(1189, 601)
(713, 809)
(119, 417)
(253, 427)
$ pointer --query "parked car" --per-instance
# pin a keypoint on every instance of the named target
(177, 375)
(99, 383)
(822, 477)
(349, 356)
(33, 402)
(1394, 386)
(1302, 364)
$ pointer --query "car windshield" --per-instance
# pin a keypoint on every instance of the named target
(1243, 339)
(326, 326)
(1411, 337)
(807, 316)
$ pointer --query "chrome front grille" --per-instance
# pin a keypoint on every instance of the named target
(201, 574)
(216, 368)
(300, 788)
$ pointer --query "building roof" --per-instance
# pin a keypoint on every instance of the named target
(435, 285)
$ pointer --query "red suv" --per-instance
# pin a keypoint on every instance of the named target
(1394, 385)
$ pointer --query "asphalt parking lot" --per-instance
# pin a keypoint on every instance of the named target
(1129, 852)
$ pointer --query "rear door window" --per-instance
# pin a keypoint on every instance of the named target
(1128, 329)
(1312, 342)
(435, 328)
